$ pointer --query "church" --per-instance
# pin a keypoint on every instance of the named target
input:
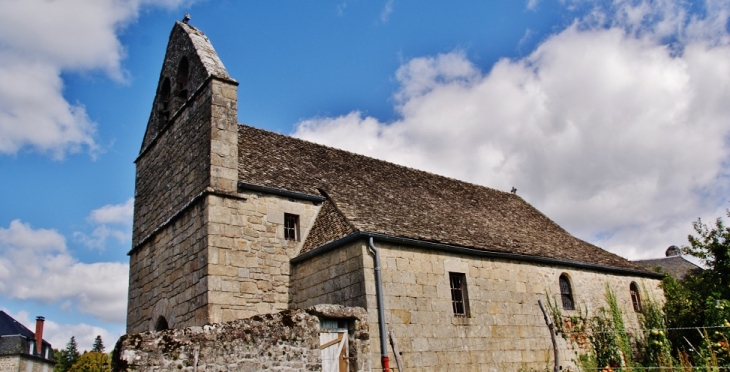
(232, 221)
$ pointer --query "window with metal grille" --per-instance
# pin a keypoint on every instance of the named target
(566, 293)
(635, 299)
(459, 300)
(291, 227)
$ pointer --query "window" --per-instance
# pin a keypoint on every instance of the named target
(291, 227)
(459, 300)
(566, 293)
(182, 78)
(635, 299)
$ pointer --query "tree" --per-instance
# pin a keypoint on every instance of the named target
(93, 361)
(70, 355)
(712, 246)
(59, 356)
(701, 299)
(98, 345)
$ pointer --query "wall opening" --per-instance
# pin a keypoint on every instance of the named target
(161, 324)
(182, 78)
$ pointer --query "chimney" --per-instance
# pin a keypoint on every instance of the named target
(39, 335)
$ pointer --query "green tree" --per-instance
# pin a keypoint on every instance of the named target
(93, 361)
(702, 298)
(59, 356)
(98, 345)
(70, 355)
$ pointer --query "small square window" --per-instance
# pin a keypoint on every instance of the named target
(459, 299)
(291, 227)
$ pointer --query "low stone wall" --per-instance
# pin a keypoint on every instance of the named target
(285, 341)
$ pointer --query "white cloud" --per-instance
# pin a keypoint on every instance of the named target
(613, 131)
(39, 39)
(35, 265)
(59, 334)
(387, 11)
(114, 213)
(111, 221)
(532, 4)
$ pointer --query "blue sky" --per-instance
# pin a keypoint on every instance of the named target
(610, 117)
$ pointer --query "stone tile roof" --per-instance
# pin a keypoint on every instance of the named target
(375, 196)
(676, 266)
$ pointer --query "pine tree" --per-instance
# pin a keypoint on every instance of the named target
(71, 354)
(98, 345)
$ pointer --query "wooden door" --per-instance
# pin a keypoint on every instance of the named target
(333, 346)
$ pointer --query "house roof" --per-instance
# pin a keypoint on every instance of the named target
(677, 266)
(374, 196)
(11, 327)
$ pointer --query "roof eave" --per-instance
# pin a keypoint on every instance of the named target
(470, 251)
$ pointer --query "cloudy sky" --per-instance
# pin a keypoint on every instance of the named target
(613, 117)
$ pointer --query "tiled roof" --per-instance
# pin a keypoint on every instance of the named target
(374, 196)
(676, 266)
(10, 327)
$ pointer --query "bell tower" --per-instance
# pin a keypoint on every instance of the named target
(189, 153)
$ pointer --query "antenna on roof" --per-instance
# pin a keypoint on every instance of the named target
(186, 18)
(514, 190)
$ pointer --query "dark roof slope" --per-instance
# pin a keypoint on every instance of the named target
(379, 197)
(10, 327)
(676, 266)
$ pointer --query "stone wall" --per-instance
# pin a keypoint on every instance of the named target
(9, 363)
(248, 260)
(173, 170)
(14, 363)
(285, 341)
(334, 277)
(188, 155)
(505, 330)
(168, 275)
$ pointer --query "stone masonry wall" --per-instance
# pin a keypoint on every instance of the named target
(9, 363)
(248, 257)
(167, 275)
(174, 170)
(335, 277)
(285, 341)
(505, 331)
(14, 363)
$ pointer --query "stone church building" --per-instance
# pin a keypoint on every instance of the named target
(231, 221)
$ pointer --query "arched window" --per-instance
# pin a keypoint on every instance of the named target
(182, 78)
(161, 324)
(165, 93)
(635, 299)
(566, 293)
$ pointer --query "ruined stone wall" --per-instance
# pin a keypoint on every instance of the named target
(334, 277)
(505, 330)
(168, 275)
(285, 341)
(248, 259)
